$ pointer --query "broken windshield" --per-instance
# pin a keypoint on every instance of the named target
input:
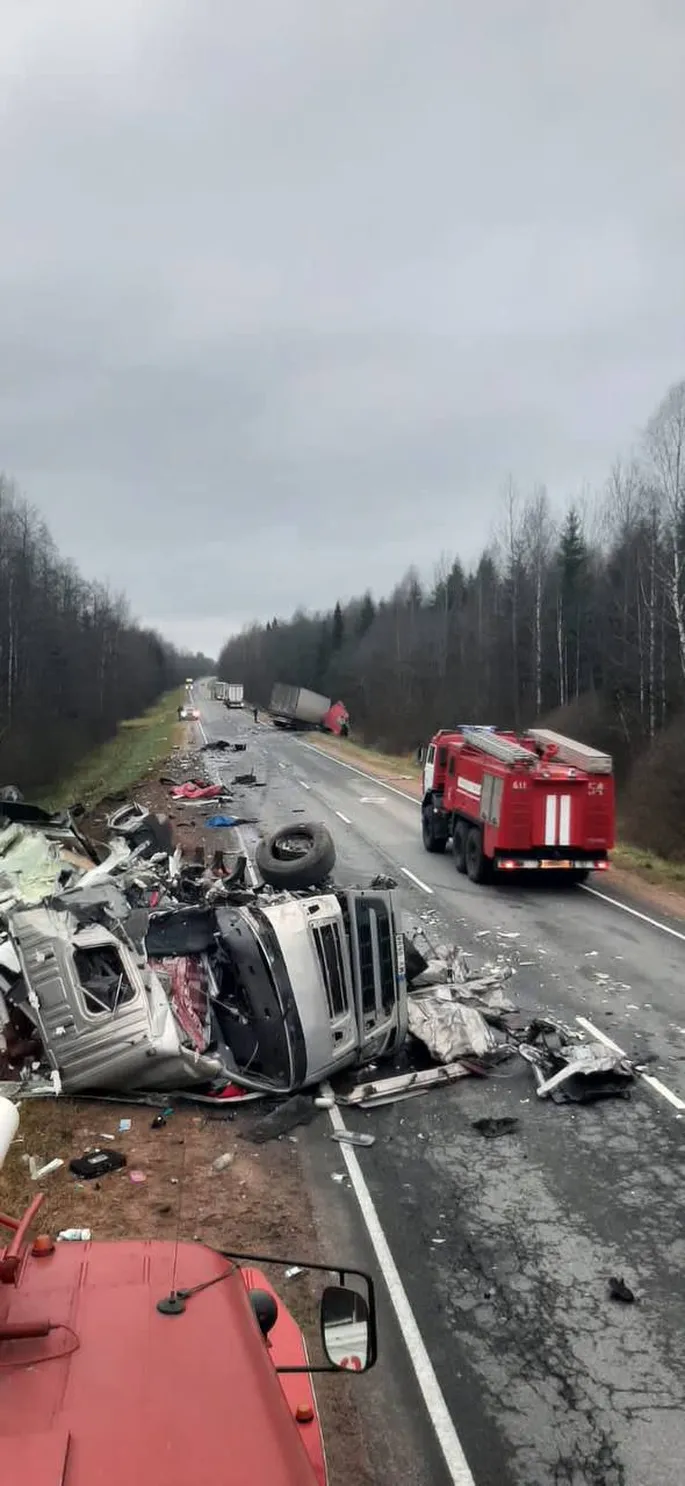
(254, 1005)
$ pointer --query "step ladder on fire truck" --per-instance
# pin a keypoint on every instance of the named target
(512, 803)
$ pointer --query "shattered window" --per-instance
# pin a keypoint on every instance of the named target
(103, 979)
(327, 941)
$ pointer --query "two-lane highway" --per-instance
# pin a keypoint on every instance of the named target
(503, 1249)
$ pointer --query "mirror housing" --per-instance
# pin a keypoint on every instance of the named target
(421, 753)
(345, 1328)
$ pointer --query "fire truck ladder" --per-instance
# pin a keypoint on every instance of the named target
(499, 748)
(575, 755)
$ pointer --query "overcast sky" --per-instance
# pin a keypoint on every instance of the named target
(288, 289)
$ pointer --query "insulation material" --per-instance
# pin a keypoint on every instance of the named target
(448, 1029)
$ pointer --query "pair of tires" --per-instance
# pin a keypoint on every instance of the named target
(467, 846)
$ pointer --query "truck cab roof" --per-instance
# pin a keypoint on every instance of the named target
(127, 1394)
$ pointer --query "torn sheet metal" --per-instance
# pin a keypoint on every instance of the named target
(449, 1030)
(589, 1071)
(568, 1070)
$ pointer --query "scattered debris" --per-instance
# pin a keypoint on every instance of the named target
(492, 1126)
(137, 1177)
(74, 1235)
(294, 1270)
(352, 1137)
(449, 1030)
(36, 1173)
(221, 1162)
(96, 1163)
(404, 1085)
(285, 1117)
(569, 1070)
(618, 1290)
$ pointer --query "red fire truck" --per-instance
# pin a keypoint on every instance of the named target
(511, 803)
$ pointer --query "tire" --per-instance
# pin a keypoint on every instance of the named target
(459, 846)
(297, 856)
(477, 864)
(580, 874)
(432, 842)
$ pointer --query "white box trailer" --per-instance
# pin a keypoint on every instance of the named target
(234, 694)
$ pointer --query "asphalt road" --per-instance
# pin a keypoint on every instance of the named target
(505, 1247)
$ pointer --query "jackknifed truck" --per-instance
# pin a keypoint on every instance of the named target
(296, 707)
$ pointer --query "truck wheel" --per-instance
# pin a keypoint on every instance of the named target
(431, 840)
(477, 864)
(297, 856)
(459, 846)
(580, 874)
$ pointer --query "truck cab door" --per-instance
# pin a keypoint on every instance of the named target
(429, 770)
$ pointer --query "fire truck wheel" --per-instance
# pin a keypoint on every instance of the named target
(459, 846)
(477, 864)
(431, 840)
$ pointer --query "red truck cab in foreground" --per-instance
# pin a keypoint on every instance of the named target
(511, 803)
(148, 1363)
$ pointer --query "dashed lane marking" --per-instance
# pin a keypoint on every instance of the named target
(343, 817)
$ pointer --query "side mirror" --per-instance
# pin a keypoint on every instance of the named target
(345, 1328)
(420, 753)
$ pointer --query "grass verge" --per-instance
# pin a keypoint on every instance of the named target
(140, 744)
(638, 865)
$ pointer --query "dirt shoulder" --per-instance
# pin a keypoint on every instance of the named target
(657, 883)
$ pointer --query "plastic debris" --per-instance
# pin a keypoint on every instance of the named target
(222, 1162)
(74, 1235)
(619, 1290)
(352, 1137)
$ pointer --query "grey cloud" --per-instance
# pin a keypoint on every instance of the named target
(285, 295)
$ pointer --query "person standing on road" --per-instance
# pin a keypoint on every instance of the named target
(256, 713)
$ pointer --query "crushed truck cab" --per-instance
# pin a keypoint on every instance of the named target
(512, 803)
(313, 984)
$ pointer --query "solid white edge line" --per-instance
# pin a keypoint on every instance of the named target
(433, 1397)
(417, 880)
(648, 1078)
(343, 817)
(625, 908)
(615, 902)
(372, 777)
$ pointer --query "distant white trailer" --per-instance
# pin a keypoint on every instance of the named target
(235, 694)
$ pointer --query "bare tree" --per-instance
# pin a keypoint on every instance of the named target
(666, 448)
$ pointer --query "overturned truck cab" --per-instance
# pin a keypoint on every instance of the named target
(309, 985)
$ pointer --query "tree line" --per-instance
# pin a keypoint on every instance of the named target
(579, 617)
(73, 663)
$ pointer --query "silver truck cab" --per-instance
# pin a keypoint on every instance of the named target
(309, 985)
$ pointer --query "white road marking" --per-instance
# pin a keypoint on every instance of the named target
(655, 922)
(372, 799)
(654, 1083)
(281, 765)
(417, 880)
(304, 786)
(659, 1088)
(372, 777)
(343, 817)
(433, 1397)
